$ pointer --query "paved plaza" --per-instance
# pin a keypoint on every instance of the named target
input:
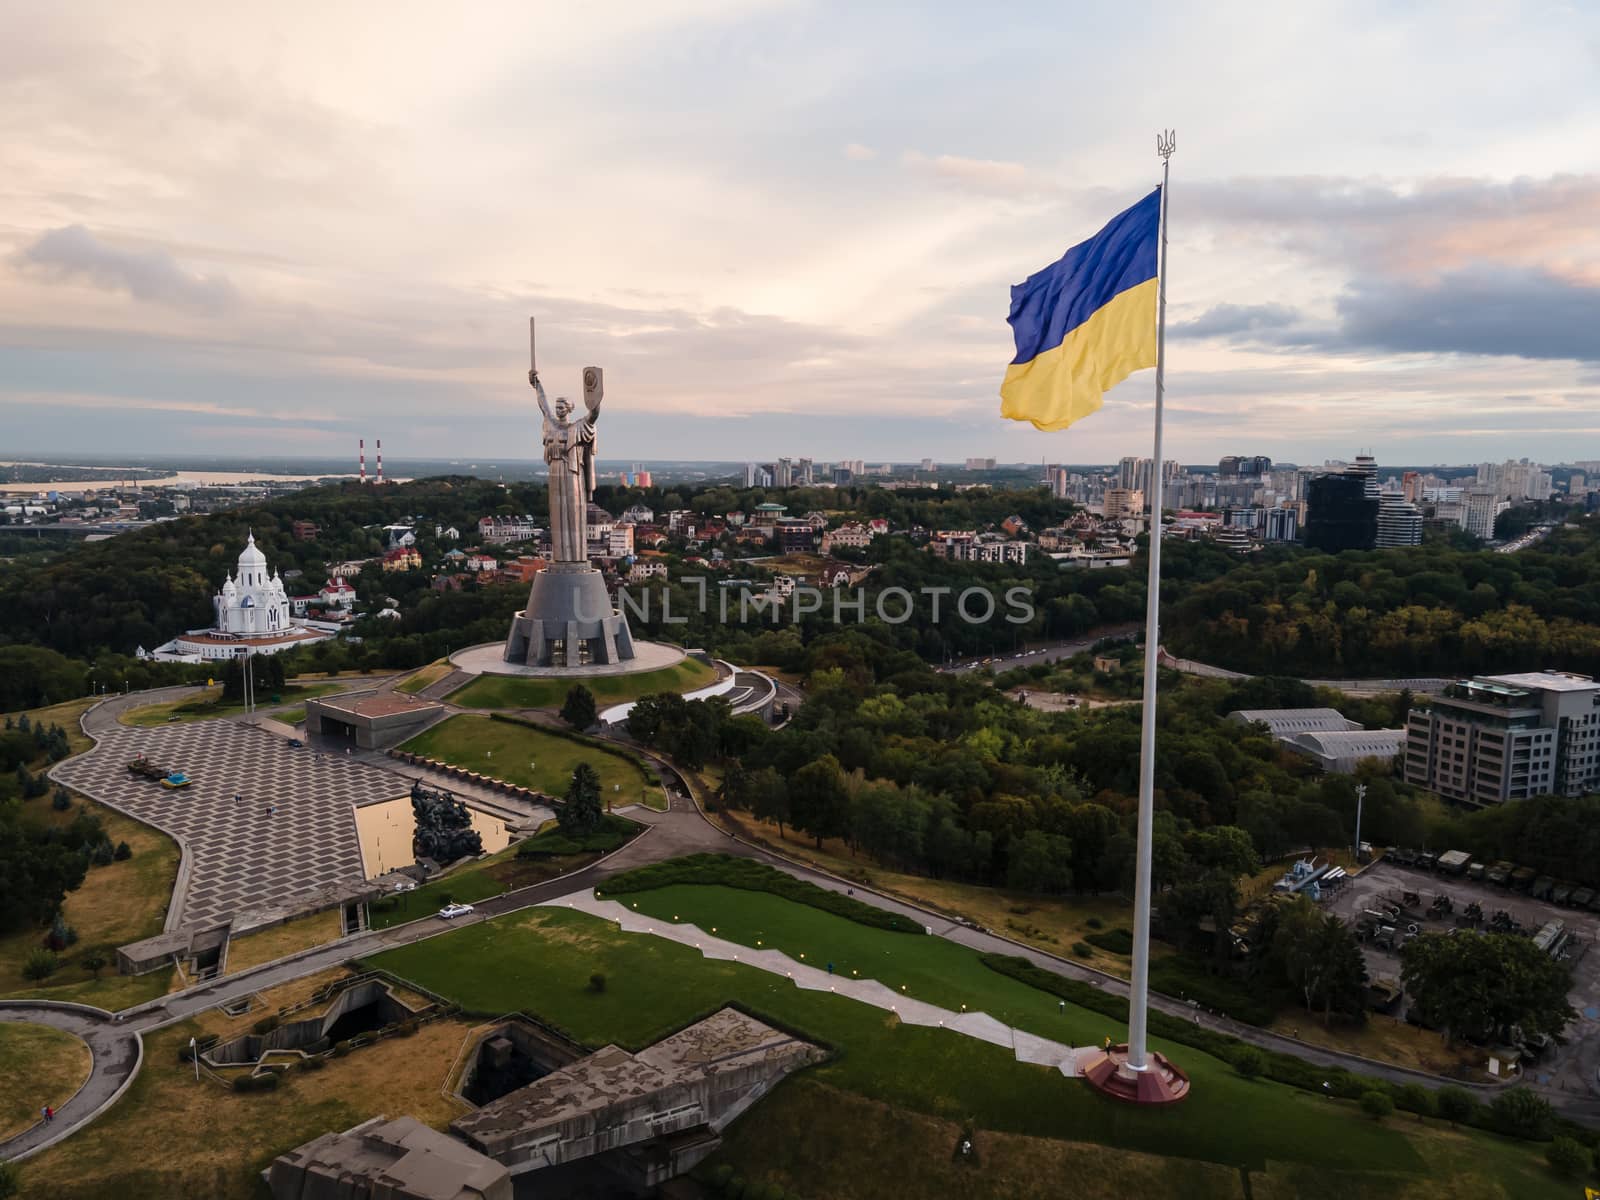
(241, 855)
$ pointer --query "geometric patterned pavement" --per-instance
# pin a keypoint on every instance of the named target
(241, 855)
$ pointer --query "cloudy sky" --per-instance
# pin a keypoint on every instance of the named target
(788, 227)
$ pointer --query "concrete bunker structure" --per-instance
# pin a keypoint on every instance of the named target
(372, 720)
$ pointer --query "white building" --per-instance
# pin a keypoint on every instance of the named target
(252, 616)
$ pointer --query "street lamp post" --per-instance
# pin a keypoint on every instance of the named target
(1361, 794)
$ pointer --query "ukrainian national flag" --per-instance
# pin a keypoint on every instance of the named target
(1086, 322)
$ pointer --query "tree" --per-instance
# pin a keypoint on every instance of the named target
(1249, 1062)
(94, 962)
(1415, 1098)
(769, 797)
(579, 710)
(1320, 959)
(1478, 984)
(1522, 1113)
(10, 1181)
(1376, 1104)
(1456, 1105)
(1040, 862)
(818, 803)
(581, 813)
(1569, 1157)
(40, 963)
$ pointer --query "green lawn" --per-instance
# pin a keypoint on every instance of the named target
(425, 676)
(533, 758)
(540, 961)
(209, 705)
(511, 691)
(463, 887)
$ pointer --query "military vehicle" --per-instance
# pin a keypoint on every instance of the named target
(1499, 873)
(146, 769)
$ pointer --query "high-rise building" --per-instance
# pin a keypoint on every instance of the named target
(1367, 468)
(1281, 525)
(1247, 466)
(1483, 505)
(1122, 502)
(980, 464)
(1496, 738)
(783, 473)
(1339, 514)
(1399, 522)
(1411, 487)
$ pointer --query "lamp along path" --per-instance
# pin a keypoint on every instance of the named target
(1027, 1047)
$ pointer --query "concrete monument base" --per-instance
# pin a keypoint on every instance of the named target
(489, 659)
(1108, 1072)
(569, 621)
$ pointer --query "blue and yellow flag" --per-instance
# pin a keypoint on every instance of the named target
(1086, 322)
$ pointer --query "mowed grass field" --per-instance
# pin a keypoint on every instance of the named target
(38, 1066)
(533, 758)
(510, 691)
(540, 960)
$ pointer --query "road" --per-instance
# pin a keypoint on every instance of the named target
(1049, 652)
(1424, 686)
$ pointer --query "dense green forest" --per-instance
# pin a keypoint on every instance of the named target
(1429, 610)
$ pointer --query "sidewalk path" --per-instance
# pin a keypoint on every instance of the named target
(115, 1052)
(1027, 1047)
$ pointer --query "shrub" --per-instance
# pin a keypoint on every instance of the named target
(265, 1025)
(1455, 1105)
(720, 1175)
(1414, 1098)
(734, 1189)
(408, 1027)
(1376, 1105)
(1521, 1113)
(94, 962)
(123, 852)
(340, 1049)
(1118, 941)
(10, 1181)
(61, 801)
(103, 853)
(1249, 1062)
(314, 1064)
(1569, 1157)
(1083, 949)
(1095, 923)
(40, 963)
(267, 1082)
(61, 935)
(728, 871)
(1180, 975)
(597, 982)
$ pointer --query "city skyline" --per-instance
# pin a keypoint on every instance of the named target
(791, 229)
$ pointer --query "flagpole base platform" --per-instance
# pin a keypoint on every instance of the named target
(1160, 1083)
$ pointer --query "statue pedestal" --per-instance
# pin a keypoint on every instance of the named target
(569, 621)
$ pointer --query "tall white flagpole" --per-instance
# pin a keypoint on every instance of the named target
(1139, 988)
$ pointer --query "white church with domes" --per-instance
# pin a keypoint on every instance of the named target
(252, 615)
(255, 603)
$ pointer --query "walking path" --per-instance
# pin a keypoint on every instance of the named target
(116, 1053)
(1027, 1047)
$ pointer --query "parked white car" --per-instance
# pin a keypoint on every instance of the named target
(451, 911)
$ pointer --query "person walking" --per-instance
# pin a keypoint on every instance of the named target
(49, 1114)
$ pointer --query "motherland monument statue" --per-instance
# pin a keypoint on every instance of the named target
(569, 620)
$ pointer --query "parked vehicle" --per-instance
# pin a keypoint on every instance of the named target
(1542, 888)
(176, 780)
(451, 911)
(1582, 897)
(1499, 874)
(146, 769)
(1522, 878)
(1475, 871)
(296, 743)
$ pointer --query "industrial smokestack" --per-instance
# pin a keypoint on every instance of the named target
(363, 444)
(380, 462)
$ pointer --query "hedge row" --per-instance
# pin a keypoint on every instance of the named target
(1516, 1112)
(727, 871)
(1118, 941)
